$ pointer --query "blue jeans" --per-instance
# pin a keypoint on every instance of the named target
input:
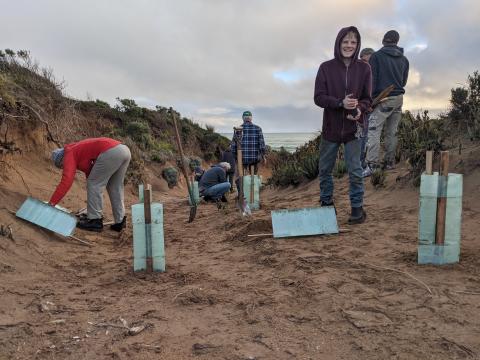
(217, 191)
(328, 155)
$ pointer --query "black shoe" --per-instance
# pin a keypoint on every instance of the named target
(91, 224)
(358, 216)
(326, 203)
(119, 226)
(207, 198)
(224, 199)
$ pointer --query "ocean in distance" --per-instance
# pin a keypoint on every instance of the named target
(290, 141)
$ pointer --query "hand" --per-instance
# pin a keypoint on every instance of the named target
(349, 103)
(356, 118)
(265, 160)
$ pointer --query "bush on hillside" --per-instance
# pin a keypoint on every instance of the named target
(464, 115)
(416, 135)
(170, 174)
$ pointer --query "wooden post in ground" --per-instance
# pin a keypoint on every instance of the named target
(442, 199)
(429, 163)
(147, 201)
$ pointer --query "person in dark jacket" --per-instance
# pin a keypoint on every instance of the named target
(343, 89)
(365, 55)
(389, 67)
(213, 185)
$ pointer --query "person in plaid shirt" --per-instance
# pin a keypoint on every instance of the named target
(253, 144)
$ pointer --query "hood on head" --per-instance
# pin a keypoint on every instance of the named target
(340, 36)
(392, 50)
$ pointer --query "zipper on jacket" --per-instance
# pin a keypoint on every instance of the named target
(343, 117)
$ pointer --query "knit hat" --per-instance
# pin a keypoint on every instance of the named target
(391, 37)
(57, 157)
(247, 113)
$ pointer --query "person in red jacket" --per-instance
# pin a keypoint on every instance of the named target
(343, 89)
(104, 162)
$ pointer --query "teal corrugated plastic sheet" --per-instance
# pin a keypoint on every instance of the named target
(304, 222)
(48, 217)
(428, 252)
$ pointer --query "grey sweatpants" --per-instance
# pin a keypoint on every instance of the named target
(109, 171)
(388, 114)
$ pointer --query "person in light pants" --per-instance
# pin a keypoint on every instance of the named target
(104, 162)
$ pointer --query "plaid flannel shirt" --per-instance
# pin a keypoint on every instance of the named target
(253, 144)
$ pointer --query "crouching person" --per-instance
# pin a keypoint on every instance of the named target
(213, 185)
(104, 162)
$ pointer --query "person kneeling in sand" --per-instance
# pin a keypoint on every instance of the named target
(213, 185)
(104, 162)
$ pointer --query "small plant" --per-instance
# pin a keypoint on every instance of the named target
(170, 174)
(340, 168)
(309, 165)
(378, 178)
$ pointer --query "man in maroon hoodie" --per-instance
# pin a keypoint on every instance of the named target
(343, 89)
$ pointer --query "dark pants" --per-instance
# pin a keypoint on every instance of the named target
(328, 156)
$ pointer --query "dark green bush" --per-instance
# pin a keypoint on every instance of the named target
(340, 168)
(170, 174)
(309, 165)
(378, 178)
(416, 135)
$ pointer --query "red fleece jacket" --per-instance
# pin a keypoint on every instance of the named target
(80, 156)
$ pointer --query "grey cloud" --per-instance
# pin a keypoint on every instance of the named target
(197, 55)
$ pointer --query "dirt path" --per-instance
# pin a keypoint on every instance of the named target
(228, 296)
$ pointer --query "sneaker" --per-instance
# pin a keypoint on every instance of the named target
(358, 216)
(368, 171)
(91, 224)
(119, 226)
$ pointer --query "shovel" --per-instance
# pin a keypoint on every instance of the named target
(193, 206)
(242, 202)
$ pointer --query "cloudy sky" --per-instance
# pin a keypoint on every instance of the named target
(212, 59)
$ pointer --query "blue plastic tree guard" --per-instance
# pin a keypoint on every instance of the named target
(196, 194)
(430, 190)
(54, 219)
(140, 229)
(247, 187)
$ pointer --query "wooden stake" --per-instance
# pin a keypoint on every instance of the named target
(429, 163)
(442, 200)
(147, 201)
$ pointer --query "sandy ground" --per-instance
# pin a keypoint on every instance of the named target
(357, 295)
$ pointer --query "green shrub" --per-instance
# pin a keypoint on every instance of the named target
(170, 174)
(378, 178)
(309, 165)
(416, 135)
(139, 132)
(340, 168)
